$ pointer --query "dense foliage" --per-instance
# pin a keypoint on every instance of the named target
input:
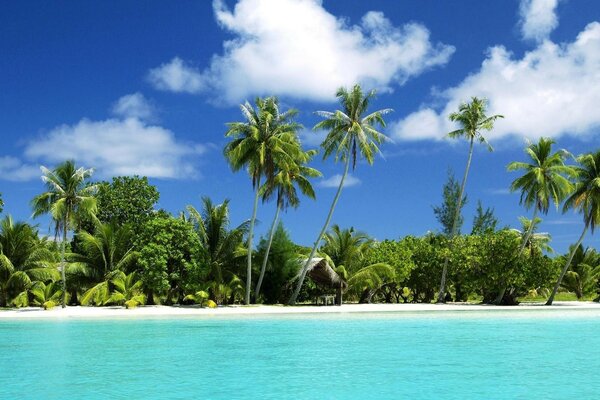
(126, 200)
(113, 247)
(169, 259)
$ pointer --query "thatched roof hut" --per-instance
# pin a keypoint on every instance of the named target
(323, 274)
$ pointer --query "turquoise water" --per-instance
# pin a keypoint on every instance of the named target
(426, 355)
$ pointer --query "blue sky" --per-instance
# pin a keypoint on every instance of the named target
(132, 89)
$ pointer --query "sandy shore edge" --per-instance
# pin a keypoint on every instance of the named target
(264, 310)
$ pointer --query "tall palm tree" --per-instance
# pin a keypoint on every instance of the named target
(584, 199)
(473, 121)
(545, 180)
(67, 197)
(352, 134)
(283, 185)
(259, 144)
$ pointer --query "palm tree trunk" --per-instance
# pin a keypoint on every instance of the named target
(323, 230)
(528, 234)
(567, 265)
(62, 263)
(266, 258)
(529, 231)
(250, 231)
(442, 292)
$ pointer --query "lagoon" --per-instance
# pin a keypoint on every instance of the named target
(501, 355)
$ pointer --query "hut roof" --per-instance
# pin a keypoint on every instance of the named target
(323, 274)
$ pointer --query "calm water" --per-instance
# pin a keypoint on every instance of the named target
(531, 355)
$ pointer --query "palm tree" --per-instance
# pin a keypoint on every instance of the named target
(104, 254)
(284, 185)
(199, 297)
(584, 199)
(24, 259)
(260, 143)
(109, 248)
(127, 290)
(352, 134)
(346, 247)
(582, 277)
(47, 295)
(117, 288)
(472, 120)
(545, 180)
(531, 239)
(222, 245)
(346, 250)
(67, 197)
(367, 280)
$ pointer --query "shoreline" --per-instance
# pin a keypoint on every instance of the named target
(564, 308)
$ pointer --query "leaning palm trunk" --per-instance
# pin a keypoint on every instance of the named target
(249, 259)
(528, 234)
(63, 264)
(442, 292)
(567, 265)
(266, 258)
(320, 237)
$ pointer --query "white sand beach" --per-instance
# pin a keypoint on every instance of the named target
(565, 309)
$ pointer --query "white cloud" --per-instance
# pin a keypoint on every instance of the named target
(422, 124)
(118, 147)
(177, 76)
(133, 105)
(551, 91)
(334, 181)
(298, 49)
(537, 18)
(13, 169)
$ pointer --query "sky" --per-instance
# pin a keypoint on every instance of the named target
(147, 89)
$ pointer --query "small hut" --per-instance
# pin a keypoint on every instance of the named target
(325, 276)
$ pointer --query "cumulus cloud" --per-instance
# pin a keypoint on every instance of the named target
(118, 147)
(537, 18)
(133, 105)
(334, 181)
(13, 169)
(422, 124)
(550, 91)
(127, 144)
(298, 49)
(177, 76)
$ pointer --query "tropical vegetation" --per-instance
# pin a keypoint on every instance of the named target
(112, 245)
